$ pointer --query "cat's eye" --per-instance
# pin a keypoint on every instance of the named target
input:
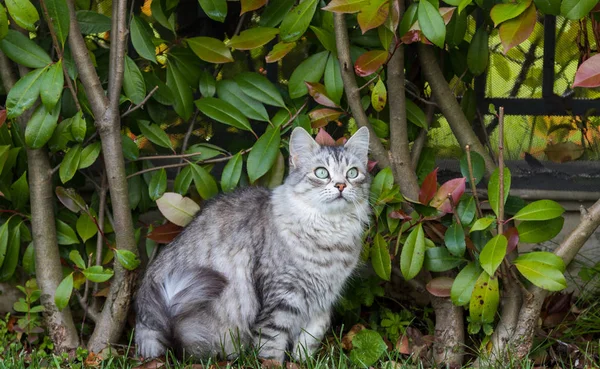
(321, 173)
(352, 173)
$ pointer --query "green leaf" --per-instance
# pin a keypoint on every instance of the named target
(296, 22)
(182, 93)
(230, 92)
(464, 283)
(466, 209)
(413, 253)
(275, 11)
(158, 184)
(205, 183)
(456, 29)
(454, 238)
(478, 53)
(155, 134)
(97, 274)
(310, 70)
(326, 38)
(158, 13)
(439, 259)
(19, 192)
(485, 299)
(24, 93)
(482, 224)
(506, 11)
(141, 38)
(431, 23)
(3, 241)
(260, 88)
(70, 199)
(210, 49)
(416, 115)
(76, 258)
(86, 228)
(333, 80)
(263, 154)
(92, 22)
(3, 22)
(65, 234)
(575, 9)
(383, 182)
(540, 210)
(63, 292)
(253, 38)
(52, 84)
(70, 164)
(543, 269)
(23, 51)
(367, 348)
(223, 112)
(163, 94)
(59, 13)
(551, 7)
(493, 253)
(478, 165)
(12, 255)
(29, 259)
(408, 19)
(215, 9)
(540, 231)
(23, 13)
(130, 149)
(41, 126)
(380, 257)
(62, 135)
(207, 84)
(232, 173)
(183, 181)
(89, 155)
(133, 82)
(127, 259)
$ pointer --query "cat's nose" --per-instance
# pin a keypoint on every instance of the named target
(340, 186)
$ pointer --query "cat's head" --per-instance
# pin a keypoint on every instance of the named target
(330, 178)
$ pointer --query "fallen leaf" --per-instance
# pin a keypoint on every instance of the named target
(347, 339)
(563, 152)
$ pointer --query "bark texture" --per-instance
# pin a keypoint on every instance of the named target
(61, 328)
(447, 103)
(106, 111)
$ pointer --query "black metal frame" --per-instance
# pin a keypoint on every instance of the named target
(550, 103)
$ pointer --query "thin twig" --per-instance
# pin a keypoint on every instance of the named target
(186, 138)
(472, 181)
(293, 117)
(59, 53)
(136, 107)
(100, 224)
(501, 170)
(166, 157)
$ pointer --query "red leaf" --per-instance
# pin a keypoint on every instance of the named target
(399, 214)
(440, 286)
(414, 35)
(512, 235)
(324, 139)
(428, 187)
(249, 5)
(320, 117)
(341, 141)
(588, 74)
(165, 233)
(516, 30)
(369, 62)
(317, 91)
(455, 188)
(371, 165)
(2, 117)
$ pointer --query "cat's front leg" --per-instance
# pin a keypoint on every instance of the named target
(277, 328)
(311, 336)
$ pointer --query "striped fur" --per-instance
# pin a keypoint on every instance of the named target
(261, 268)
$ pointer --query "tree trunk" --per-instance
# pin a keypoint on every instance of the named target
(61, 328)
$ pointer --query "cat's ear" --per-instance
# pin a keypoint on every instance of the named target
(301, 145)
(358, 144)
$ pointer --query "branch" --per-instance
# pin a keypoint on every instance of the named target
(352, 91)
(419, 143)
(449, 106)
(118, 51)
(136, 107)
(404, 173)
(87, 73)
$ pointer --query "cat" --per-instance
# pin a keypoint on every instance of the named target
(260, 268)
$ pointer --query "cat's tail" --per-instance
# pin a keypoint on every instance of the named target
(183, 293)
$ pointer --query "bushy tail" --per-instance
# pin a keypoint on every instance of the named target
(182, 294)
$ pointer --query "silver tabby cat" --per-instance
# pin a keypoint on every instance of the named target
(259, 268)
